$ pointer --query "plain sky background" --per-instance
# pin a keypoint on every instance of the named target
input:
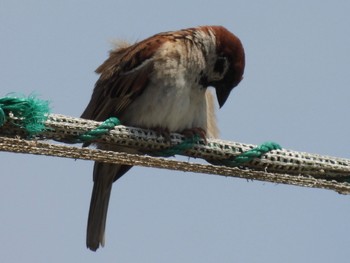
(295, 92)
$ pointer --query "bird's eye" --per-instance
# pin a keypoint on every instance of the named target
(220, 65)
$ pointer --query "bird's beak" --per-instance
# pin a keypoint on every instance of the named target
(222, 94)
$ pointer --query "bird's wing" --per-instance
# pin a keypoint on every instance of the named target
(124, 76)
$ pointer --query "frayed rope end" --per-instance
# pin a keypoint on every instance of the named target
(31, 111)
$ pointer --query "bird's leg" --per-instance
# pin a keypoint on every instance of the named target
(163, 132)
(189, 133)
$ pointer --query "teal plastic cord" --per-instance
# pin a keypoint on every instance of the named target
(180, 148)
(99, 131)
(250, 155)
(31, 111)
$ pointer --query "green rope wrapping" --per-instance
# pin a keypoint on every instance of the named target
(244, 157)
(99, 131)
(180, 148)
(256, 152)
(250, 155)
(31, 111)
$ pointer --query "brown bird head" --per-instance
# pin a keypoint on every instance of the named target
(227, 67)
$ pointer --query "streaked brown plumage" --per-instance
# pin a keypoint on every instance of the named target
(160, 82)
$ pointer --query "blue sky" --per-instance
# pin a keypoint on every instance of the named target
(295, 92)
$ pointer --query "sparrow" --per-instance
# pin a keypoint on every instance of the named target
(160, 83)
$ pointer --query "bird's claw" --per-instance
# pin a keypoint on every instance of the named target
(196, 131)
(163, 132)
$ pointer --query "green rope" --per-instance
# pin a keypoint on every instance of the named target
(179, 148)
(250, 155)
(99, 131)
(244, 157)
(31, 112)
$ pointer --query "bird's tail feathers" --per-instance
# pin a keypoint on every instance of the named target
(104, 175)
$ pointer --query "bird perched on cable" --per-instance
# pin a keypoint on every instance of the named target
(160, 83)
